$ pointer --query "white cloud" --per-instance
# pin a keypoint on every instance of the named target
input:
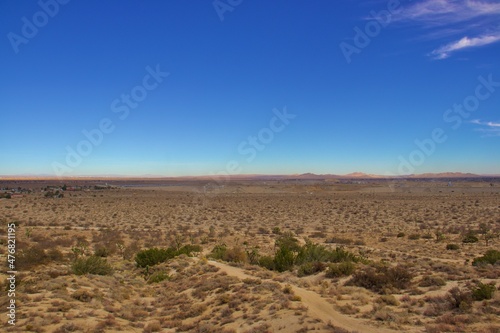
(485, 123)
(442, 19)
(492, 129)
(444, 12)
(444, 51)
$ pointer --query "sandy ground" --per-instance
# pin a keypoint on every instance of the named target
(392, 223)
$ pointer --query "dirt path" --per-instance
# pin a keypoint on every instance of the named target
(317, 306)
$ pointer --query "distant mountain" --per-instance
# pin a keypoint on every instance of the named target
(261, 177)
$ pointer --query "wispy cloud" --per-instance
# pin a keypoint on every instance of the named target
(492, 129)
(476, 20)
(445, 12)
(444, 51)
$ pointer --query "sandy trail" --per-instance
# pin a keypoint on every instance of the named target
(317, 306)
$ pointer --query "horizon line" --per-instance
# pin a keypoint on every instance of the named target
(352, 175)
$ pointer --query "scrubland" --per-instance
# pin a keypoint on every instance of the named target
(258, 257)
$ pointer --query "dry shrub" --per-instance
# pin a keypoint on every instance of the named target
(91, 265)
(383, 314)
(68, 327)
(32, 256)
(310, 268)
(460, 299)
(456, 299)
(348, 309)
(345, 268)
(234, 254)
(82, 295)
(456, 320)
(339, 240)
(335, 329)
(430, 281)
(153, 326)
(440, 328)
(388, 299)
(437, 306)
(262, 328)
(380, 278)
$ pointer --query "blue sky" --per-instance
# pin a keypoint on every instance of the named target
(178, 88)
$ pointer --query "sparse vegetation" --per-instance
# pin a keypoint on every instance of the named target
(345, 268)
(235, 254)
(158, 277)
(470, 237)
(432, 281)
(379, 278)
(490, 257)
(91, 265)
(154, 256)
(358, 251)
(483, 291)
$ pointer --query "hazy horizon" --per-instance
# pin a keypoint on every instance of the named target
(176, 89)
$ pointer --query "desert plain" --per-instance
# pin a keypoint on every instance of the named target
(252, 256)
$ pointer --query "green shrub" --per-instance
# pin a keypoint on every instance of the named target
(219, 251)
(91, 265)
(188, 249)
(345, 268)
(490, 257)
(414, 236)
(452, 247)
(483, 291)
(288, 250)
(153, 256)
(310, 268)
(310, 257)
(341, 255)
(158, 277)
(470, 237)
(284, 259)
(267, 262)
(312, 252)
(400, 234)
